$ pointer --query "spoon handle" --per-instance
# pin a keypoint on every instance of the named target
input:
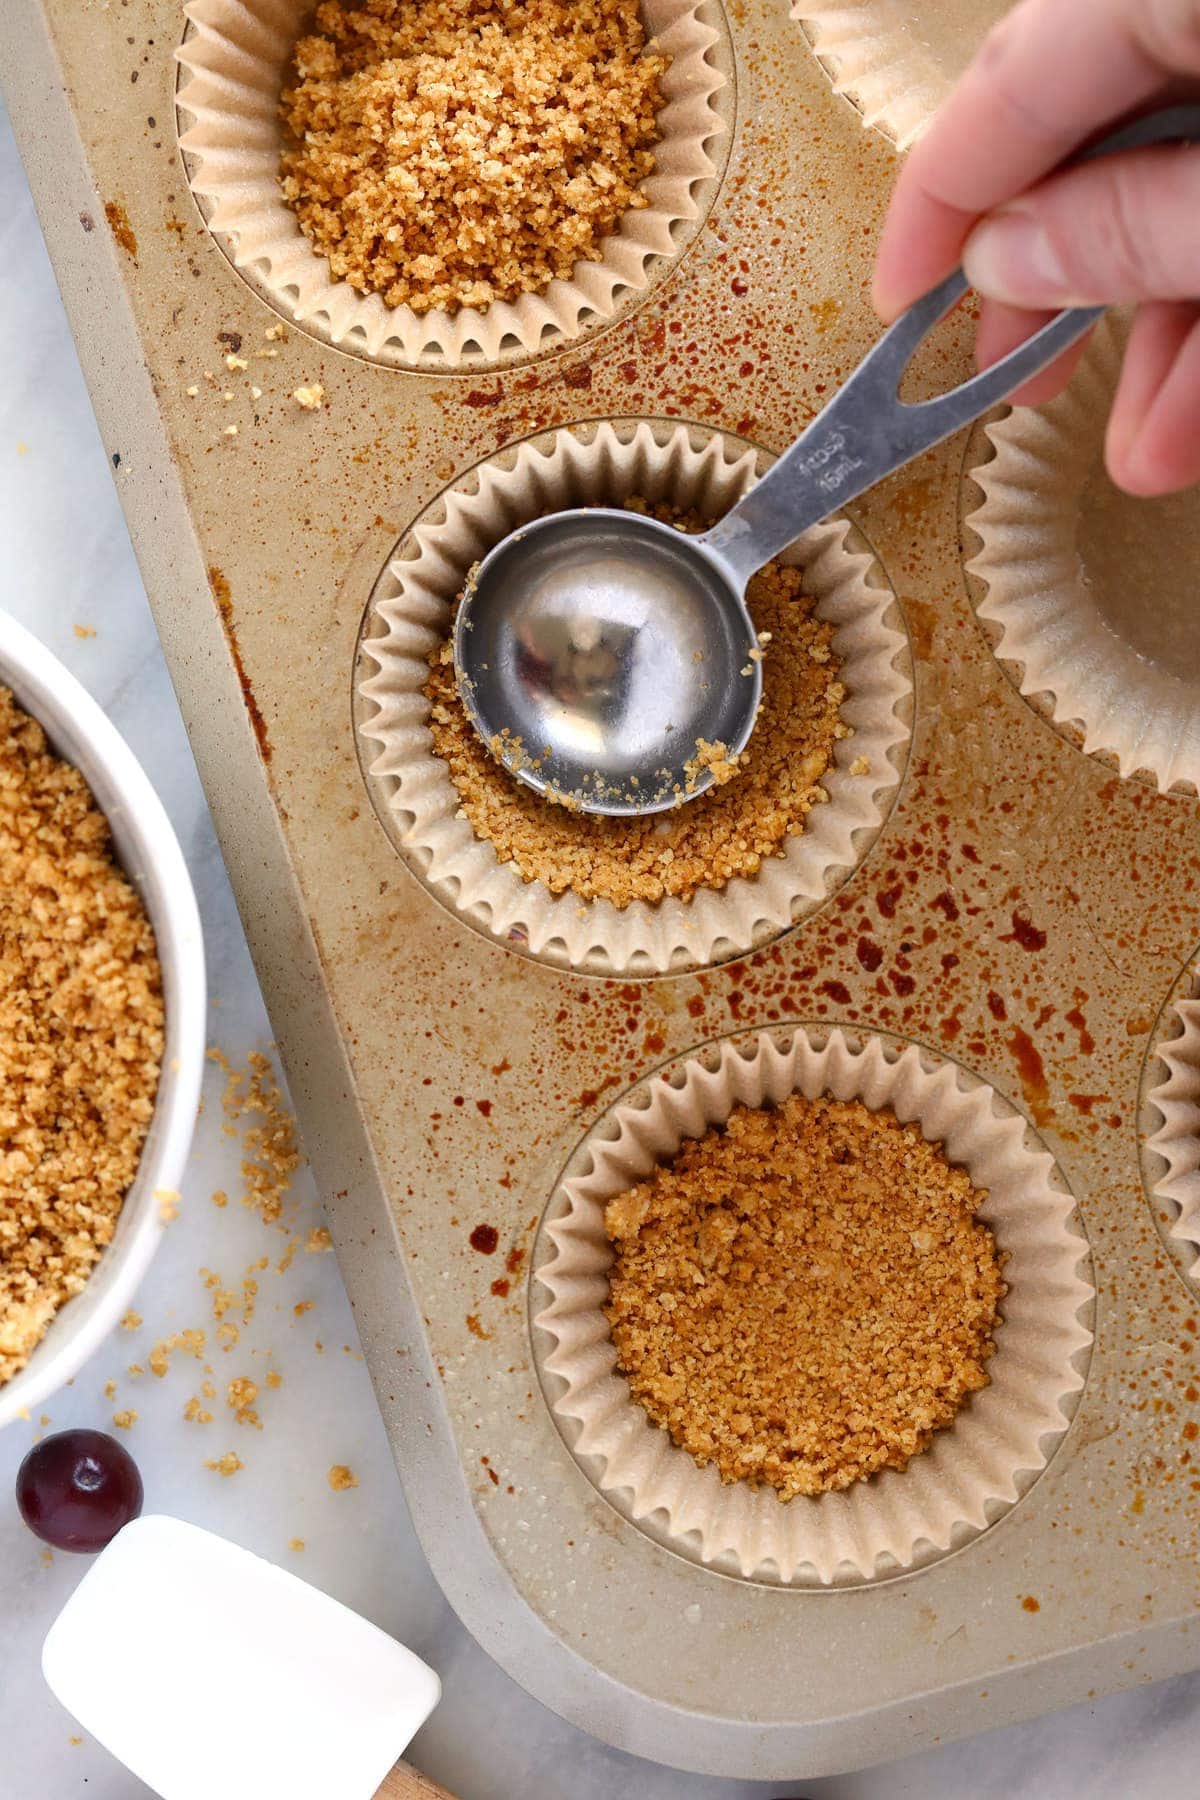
(866, 431)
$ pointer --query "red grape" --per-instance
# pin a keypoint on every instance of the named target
(77, 1488)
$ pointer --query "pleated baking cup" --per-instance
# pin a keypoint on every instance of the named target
(1092, 597)
(409, 618)
(233, 62)
(974, 1470)
(896, 60)
(1171, 1152)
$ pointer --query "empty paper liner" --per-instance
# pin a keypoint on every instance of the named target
(1093, 597)
(897, 62)
(234, 60)
(1174, 1147)
(409, 618)
(974, 1470)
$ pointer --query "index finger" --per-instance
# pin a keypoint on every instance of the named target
(1051, 74)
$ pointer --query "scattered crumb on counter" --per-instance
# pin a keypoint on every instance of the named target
(124, 1421)
(229, 1464)
(309, 399)
(169, 1201)
(318, 1239)
(240, 1395)
(85, 631)
(296, 1544)
(341, 1478)
(131, 1320)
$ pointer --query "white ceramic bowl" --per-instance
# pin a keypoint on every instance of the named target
(147, 849)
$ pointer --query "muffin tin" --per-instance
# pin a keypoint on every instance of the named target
(1021, 914)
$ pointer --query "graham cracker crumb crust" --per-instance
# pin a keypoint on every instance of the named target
(804, 1296)
(451, 153)
(758, 802)
(81, 1034)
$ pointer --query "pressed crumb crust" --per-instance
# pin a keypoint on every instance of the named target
(761, 799)
(450, 153)
(81, 1034)
(804, 1296)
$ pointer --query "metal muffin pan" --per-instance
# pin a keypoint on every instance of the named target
(1022, 912)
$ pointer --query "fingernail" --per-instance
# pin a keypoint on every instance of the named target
(1009, 257)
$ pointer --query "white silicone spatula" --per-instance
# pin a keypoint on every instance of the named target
(208, 1671)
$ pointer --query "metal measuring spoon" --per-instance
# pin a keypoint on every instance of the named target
(597, 649)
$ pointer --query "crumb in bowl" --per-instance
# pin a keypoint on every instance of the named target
(805, 1295)
(758, 801)
(451, 153)
(81, 1034)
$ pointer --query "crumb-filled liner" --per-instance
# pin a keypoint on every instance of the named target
(1176, 1100)
(974, 1470)
(1083, 661)
(896, 60)
(233, 62)
(410, 617)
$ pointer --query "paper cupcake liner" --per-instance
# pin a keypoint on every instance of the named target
(233, 61)
(896, 60)
(1080, 664)
(1174, 1148)
(974, 1470)
(409, 616)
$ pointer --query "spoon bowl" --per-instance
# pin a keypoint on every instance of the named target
(599, 652)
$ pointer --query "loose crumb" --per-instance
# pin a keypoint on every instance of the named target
(196, 1413)
(110, 1390)
(169, 1201)
(805, 1296)
(252, 1100)
(85, 631)
(295, 1543)
(310, 398)
(450, 153)
(131, 1320)
(713, 759)
(724, 833)
(229, 1464)
(240, 1394)
(318, 1239)
(125, 1420)
(81, 1034)
(341, 1478)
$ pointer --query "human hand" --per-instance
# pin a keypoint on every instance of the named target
(979, 188)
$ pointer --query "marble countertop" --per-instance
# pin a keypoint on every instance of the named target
(67, 572)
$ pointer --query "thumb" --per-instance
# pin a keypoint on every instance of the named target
(1123, 228)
